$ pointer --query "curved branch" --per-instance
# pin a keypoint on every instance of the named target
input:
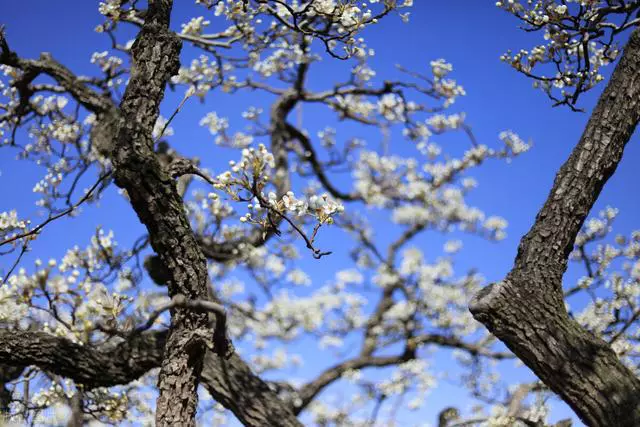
(230, 382)
(310, 390)
(312, 158)
(88, 195)
(101, 366)
(526, 310)
(71, 83)
(454, 342)
(252, 401)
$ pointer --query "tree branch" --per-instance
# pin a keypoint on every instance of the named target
(526, 310)
(32, 68)
(230, 382)
(91, 366)
(310, 390)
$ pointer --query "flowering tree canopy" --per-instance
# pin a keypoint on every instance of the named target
(215, 292)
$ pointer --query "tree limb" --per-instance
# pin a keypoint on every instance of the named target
(310, 390)
(91, 366)
(154, 197)
(230, 382)
(526, 310)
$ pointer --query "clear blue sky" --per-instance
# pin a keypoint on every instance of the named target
(470, 34)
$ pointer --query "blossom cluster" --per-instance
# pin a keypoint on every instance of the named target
(579, 42)
(11, 224)
(251, 175)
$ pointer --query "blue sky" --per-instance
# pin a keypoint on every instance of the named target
(468, 33)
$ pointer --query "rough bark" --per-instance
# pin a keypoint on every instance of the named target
(100, 366)
(230, 382)
(7, 373)
(526, 310)
(158, 204)
(251, 400)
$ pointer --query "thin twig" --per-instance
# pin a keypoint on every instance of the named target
(65, 212)
(188, 95)
(15, 264)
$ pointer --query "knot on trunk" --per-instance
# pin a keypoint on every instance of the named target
(487, 300)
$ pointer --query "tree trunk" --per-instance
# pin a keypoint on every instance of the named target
(155, 198)
(234, 386)
(526, 310)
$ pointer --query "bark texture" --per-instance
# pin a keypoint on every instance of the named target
(526, 310)
(230, 382)
(102, 366)
(251, 400)
(154, 197)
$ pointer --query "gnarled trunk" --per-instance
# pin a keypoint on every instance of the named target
(526, 310)
(155, 198)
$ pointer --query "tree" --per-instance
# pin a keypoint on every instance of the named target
(90, 337)
(579, 366)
